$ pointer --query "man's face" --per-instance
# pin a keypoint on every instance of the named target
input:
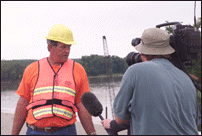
(61, 52)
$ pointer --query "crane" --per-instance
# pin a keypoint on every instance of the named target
(109, 74)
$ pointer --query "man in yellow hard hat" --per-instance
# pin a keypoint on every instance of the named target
(50, 91)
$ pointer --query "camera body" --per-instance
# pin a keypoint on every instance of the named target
(185, 40)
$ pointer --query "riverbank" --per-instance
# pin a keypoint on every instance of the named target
(103, 79)
(7, 123)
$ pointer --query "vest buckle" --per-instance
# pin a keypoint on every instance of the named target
(46, 129)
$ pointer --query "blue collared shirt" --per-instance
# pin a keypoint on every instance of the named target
(159, 99)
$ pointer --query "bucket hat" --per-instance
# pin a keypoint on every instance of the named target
(155, 41)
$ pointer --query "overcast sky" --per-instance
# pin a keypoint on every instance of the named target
(24, 24)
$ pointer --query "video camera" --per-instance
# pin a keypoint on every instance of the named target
(185, 40)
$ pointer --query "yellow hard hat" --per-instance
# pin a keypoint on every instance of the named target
(61, 33)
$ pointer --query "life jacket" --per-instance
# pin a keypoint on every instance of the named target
(54, 93)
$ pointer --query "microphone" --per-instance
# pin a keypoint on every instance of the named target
(94, 107)
(91, 103)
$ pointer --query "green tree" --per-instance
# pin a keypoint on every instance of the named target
(16, 71)
(94, 65)
(169, 29)
(13, 69)
(118, 65)
(5, 71)
(198, 23)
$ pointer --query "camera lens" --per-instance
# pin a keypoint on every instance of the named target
(133, 58)
(136, 41)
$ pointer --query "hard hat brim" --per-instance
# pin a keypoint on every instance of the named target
(56, 39)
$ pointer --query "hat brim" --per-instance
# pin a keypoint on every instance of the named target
(59, 40)
(154, 51)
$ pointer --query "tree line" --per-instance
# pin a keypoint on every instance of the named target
(13, 69)
(96, 65)
(93, 64)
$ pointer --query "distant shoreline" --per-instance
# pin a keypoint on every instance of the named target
(99, 76)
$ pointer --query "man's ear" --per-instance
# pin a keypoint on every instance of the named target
(49, 47)
(143, 57)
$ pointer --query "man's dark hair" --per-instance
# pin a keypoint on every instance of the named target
(54, 43)
(150, 57)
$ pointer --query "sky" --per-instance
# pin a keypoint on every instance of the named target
(25, 24)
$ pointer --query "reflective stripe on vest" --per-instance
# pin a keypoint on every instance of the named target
(54, 93)
(46, 111)
(56, 89)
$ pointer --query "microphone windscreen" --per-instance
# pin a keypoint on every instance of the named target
(91, 103)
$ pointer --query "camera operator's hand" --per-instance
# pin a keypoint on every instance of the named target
(194, 77)
(106, 123)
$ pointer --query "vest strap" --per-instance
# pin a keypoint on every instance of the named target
(50, 102)
(41, 102)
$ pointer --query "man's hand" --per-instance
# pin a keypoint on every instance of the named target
(85, 118)
(106, 123)
(194, 77)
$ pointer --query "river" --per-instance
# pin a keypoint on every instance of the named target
(98, 86)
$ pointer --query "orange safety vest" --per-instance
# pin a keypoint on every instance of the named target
(54, 93)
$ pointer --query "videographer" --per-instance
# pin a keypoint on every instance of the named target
(155, 96)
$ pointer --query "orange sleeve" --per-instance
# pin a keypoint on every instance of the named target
(81, 80)
(28, 81)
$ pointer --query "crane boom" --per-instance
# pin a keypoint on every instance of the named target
(109, 74)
